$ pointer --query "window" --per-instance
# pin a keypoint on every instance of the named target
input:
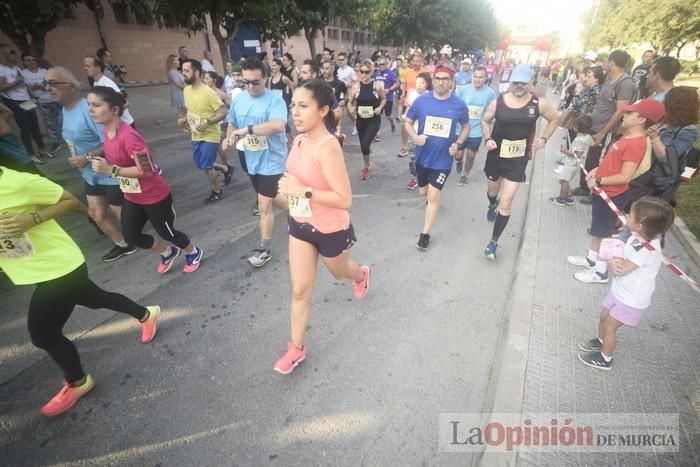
(121, 12)
(332, 33)
(346, 36)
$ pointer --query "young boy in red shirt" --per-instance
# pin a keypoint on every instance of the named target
(613, 175)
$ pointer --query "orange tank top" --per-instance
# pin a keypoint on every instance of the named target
(303, 164)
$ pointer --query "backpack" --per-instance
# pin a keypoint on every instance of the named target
(666, 173)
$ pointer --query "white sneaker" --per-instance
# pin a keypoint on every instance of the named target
(580, 261)
(354, 131)
(260, 257)
(589, 276)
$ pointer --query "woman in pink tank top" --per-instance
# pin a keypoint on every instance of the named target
(318, 190)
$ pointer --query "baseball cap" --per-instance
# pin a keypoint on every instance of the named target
(236, 69)
(647, 108)
(445, 69)
(522, 73)
(467, 60)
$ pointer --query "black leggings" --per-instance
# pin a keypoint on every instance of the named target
(51, 306)
(28, 125)
(592, 161)
(161, 216)
(367, 129)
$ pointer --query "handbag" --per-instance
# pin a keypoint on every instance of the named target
(567, 119)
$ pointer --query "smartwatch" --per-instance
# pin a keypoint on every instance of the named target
(308, 193)
(250, 129)
(598, 181)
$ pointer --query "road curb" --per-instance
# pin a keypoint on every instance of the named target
(505, 393)
(685, 237)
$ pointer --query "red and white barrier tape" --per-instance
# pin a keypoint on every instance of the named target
(621, 215)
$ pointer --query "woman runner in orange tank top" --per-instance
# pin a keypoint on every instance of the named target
(318, 189)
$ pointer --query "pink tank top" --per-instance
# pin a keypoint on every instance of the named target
(302, 163)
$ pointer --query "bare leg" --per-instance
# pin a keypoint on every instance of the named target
(99, 212)
(343, 268)
(213, 178)
(267, 217)
(303, 257)
(431, 209)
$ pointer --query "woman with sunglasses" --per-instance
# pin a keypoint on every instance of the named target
(367, 99)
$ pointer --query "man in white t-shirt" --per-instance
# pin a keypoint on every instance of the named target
(15, 95)
(206, 62)
(347, 75)
(50, 111)
(94, 69)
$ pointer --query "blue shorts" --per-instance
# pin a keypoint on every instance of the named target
(204, 154)
(471, 143)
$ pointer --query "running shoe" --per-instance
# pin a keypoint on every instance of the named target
(354, 131)
(378, 137)
(459, 166)
(166, 262)
(490, 251)
(393, 126)
(117, 252)
(361, 288)
(569, 201)
(595, 360)
(423, 241)
(580, 261)
(214, 197)
(364, 175)
(593, 345)
(590, 276)
(491, 213)
(193, 260)
(228, 175)
(557, 201)
(148, 327)
(462, 180)
(412, 183)
(255, 210)
(293, 357)
(403, 152)
(260, 257)
(67, 397)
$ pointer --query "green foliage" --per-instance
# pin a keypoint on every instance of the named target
(26, 22)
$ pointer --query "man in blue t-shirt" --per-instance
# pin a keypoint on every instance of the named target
(477, 96)
(391, 84)
(84, 139)
(465, 76)
(438, 113)
(258, 117)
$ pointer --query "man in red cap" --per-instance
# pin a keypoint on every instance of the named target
(619, 166)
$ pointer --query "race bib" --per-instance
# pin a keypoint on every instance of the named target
(437, 126)
(16, 247)
(129, 185)
(475, 112)
(256, 143)
(512, 149)
(193, 120)
(365, 111)
(299, 207)
(278, 92)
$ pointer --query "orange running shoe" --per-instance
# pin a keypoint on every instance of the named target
(291, 359)
(361, 287)
(67, 397)
(148, 327)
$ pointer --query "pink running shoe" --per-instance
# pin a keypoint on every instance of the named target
(166, 262)
(67, 397)
(361, 288)
(365, 173)
(412, 183)
(148, 327)
(290, 360)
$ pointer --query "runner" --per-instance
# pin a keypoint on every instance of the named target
(84, 139)
(34, 249)
(347, 75)
(147, 196)
(367, 99)
(401, 69)
(465, 76)
(438, 114)
(216, 84)
(318, 190)
(477, 97)
(204, 111)
(339, 93)
(258, 117)
(424, 83)
(94, 69)
(510, 145)
(391, 84)
(409, 86)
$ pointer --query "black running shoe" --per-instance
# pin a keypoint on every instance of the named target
(214, 197)
(228, 175)
(423, 242)
(593, 345)
(595, 360)
(117, 252)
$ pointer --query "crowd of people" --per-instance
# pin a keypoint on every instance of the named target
(285, 123)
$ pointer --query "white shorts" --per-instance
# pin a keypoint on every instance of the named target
(567, 173)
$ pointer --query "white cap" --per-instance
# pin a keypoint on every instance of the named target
(466, 60)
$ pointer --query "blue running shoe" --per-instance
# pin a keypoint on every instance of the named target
(166, 262)
(490, 251)
(193, 260)
(491, 213)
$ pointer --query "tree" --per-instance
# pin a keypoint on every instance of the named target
(26, 22)
(312, 16)
(553, 39)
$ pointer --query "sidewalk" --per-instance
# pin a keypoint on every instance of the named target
(657, 365)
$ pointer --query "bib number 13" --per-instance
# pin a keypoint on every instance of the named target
(16, 247)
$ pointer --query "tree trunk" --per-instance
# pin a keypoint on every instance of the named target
(679, 48)
(222, 40)
(100, 30)
(38, 44)
(310, 34)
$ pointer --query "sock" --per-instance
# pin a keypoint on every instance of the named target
(592, 256)
(499, 226)
(492, 199)
(167, 252)
(606, 358)
(601, 267)
(265, 244)
(122, 244)
(146, 316)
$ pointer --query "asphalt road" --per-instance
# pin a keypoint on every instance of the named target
(378, 371)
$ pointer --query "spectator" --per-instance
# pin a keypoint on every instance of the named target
(177, 84)
(639, 75)
(50, 111)
(15, 95)
(266, 63)
(661, 75)
(206, 62)
(182, 55)
(116, 73)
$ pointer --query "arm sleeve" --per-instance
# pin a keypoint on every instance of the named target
(463, 117)
(638, 257)
(412, 113)
(134, 143)
(635, 152)
(215, 102)
(40, 190)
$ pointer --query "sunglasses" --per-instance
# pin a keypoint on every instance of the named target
(255, 82)
(364, 72)
(441, 78)
(519, 83)
(52, 83)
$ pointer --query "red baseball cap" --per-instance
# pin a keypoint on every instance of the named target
(445, 69)
(647, 108)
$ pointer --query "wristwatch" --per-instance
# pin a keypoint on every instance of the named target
(250, 129)
(308, 193)
(598, 181)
